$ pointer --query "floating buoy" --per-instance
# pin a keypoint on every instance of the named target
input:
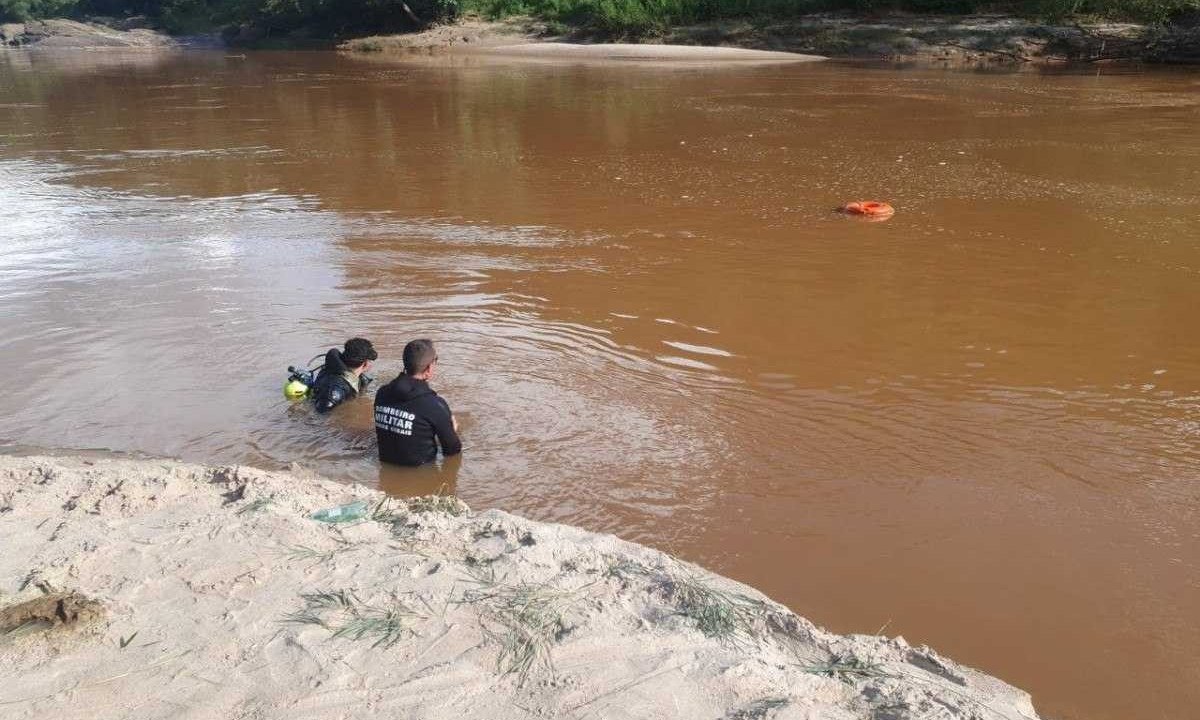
(870, 209)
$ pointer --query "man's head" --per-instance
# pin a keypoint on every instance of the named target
(358, 354)
(420, 359)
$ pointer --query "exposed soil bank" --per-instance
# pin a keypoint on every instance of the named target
(70, 34)
(211, 590)
(928, 39)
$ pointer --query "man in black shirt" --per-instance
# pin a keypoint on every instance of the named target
(341, 378)
(411, 421)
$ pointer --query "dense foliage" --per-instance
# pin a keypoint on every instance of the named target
(25, 9)
(328, 17)
(616, 17)
(640, 16)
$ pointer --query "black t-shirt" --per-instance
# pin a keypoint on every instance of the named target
(411, 421)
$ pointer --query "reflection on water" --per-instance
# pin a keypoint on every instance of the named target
(975, 424)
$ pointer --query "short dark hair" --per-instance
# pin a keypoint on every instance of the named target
(418, 356)
(357, 352)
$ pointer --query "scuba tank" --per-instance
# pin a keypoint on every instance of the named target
(298, 383)
(300, 380)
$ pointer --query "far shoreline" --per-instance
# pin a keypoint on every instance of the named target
(973, 41)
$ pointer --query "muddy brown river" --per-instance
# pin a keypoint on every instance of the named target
(976, 425)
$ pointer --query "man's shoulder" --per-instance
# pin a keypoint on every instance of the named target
(384, 393)
(435, 402)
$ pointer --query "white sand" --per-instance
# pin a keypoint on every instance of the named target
(201, 568)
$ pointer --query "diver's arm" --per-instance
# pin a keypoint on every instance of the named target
(329, 395)
(328, 401)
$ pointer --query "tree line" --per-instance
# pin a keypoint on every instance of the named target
(330, 18)
(337, 18)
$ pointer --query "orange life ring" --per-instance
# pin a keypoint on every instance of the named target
(869, 209)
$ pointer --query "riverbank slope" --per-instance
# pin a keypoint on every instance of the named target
(156, 588)
(926, 39)
(66, 34)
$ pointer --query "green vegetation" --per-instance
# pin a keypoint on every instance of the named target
(615, 17)
(324, 18)
(612, 18)
(647, 17)
(28, 9)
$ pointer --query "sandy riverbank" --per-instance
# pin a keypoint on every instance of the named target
(132, 588)
(978, 40)
(558, 52)
(981, 40)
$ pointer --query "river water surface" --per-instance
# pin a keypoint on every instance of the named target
(976, 425)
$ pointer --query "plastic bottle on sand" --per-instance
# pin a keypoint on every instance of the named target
(342, 513)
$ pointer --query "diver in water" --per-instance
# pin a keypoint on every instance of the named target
(343, 377)
(411, 420)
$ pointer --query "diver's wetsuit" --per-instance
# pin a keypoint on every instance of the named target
(335, 384)
(411, 420)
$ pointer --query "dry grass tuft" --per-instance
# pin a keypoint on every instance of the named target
(303, 552)
(345, 616)
(448, 504)
(758, 710)
(526, 620)
(395, 512)
(254, 506)
(717, 613)
(847, 668)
